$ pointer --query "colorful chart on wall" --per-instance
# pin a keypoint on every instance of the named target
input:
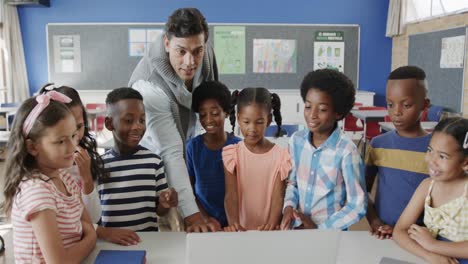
(139, 40)
(274, 56)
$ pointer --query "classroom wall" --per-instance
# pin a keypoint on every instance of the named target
(401, 44)
(375, 50)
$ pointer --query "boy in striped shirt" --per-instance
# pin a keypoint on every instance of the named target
(136, 189)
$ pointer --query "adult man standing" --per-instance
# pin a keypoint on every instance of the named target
(175, 64)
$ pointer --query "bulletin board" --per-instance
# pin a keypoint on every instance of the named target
(439, 54)
(103, 56)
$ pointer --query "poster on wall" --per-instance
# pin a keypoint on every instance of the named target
(136, 41)
(329, 50)
(229, 47)
(274, 56)
(139, 40)
(452, 52)
(67, 53)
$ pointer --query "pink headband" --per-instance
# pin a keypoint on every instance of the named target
(43, 101)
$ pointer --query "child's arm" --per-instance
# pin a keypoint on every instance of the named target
(211, 220)
(377, 227)
(45, 227)
(410, 216)
(83, 162)
(124, 237)
(231, 203)
(274, 218)
(352, 170)
(424, 238)
(371, 169)
(291, 196)
(200, 221)
(167, 199)
(89, 192)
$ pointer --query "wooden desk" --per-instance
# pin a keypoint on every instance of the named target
(426, 125)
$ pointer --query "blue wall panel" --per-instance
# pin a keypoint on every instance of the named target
(375, 50)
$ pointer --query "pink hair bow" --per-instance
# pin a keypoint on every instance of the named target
(43, 101)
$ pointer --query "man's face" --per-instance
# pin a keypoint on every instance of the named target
(185, 55)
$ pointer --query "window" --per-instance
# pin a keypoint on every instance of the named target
(2, 67)
(417, 10)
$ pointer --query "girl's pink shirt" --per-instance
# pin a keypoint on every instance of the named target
(256, 175)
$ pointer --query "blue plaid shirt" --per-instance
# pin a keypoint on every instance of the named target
(326, 183)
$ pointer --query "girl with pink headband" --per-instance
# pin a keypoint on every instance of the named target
(41, 197)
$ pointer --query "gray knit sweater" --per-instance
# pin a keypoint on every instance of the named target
(169, 120)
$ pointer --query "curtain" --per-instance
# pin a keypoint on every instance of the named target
(16, 78)
(395, 25)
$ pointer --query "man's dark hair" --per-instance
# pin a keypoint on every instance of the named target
(186, 22)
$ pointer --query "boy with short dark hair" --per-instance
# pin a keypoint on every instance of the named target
(325, 188)
(398, 156)
(136, 189)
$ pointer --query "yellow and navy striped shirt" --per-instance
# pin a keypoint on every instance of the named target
(400, 166)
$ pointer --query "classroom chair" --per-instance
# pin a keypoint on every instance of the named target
(286, 130)
(351, 123)
(372, 128)
(96, 120)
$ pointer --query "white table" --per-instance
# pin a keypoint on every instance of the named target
(6, 110)
(369, 116)
(275, 247)
(161, 247)
(426, 125)
(360, 247)
(282, 247)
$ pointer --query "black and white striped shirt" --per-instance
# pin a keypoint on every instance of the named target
(130, 196)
